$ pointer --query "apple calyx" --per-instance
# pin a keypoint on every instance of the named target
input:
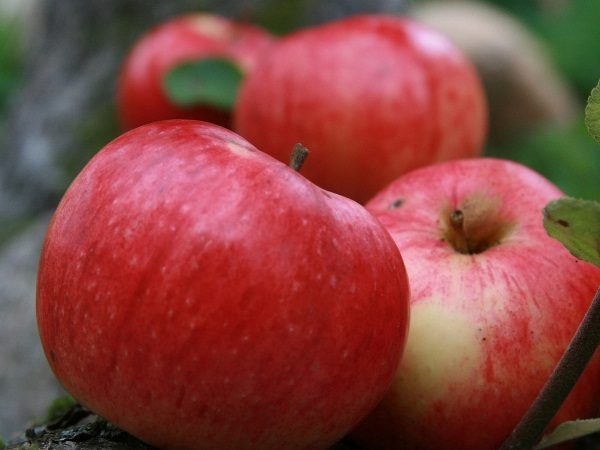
(299, 155)
(476, 225)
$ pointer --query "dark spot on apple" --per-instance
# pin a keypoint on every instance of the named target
(396, 203)
(563, 223)
(52, 355)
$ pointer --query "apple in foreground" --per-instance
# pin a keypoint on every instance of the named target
(202, 295)
(372, 97)
(141, 96)
(494, 304)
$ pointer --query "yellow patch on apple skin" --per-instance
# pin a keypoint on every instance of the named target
(211, 26)
(239, 150)
(443, 348)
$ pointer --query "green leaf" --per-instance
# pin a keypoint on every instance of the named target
(210, 82)
(592, 113)
(575, 223)
(568, 431)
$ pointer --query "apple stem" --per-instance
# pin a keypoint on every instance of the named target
(299, 155)
(459, 239)
(566, 373)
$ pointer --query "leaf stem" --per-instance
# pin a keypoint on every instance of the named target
(566, 373)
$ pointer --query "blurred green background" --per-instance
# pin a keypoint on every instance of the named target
(569, 31)
(10, 62)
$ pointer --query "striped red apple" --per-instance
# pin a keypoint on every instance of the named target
(372, 96)
(202, 295)
(495, 302)
(142, 96)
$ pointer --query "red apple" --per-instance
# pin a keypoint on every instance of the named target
(371, 96)
(141, 97)
(200, 294)
(494, 304)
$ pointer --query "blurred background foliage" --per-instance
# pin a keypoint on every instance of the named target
(10, 61)
(11, 71)
(568, 30)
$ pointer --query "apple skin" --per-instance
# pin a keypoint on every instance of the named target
(371, 96)
(487, 328)
(200, 294)
(140, 96)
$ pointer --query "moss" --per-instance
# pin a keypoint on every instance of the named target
(59, 407)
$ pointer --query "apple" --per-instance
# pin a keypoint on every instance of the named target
(494, 304)
(202, 295)
(141, 97)
(372, 96)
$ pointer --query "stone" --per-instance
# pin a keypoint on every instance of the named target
(27, 385)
